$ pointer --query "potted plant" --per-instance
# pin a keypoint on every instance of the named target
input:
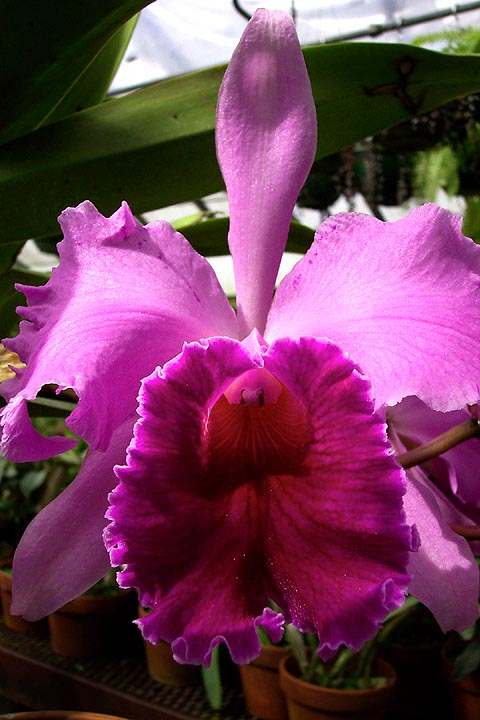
(61, 715)
(21, 491)
(411, 641)
(14, 622)
(96, 624)
(24, 490)
(163, 668)
(261, 681)
(461, 664)
(350, 685)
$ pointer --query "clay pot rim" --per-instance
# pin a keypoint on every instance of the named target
(83, 604)
(60, 715)
(391, 677)
(270, 656)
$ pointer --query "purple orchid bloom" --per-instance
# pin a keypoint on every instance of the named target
(258, 466)
(441, 495)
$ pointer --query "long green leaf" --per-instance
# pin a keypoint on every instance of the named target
(92, 85)
(10, 299)
(46, 46)
(156, 146)
(363, 88)
(212, 681)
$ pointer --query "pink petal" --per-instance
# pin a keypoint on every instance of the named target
(336, 534)
(181, 529)
(293, 496)
(401, 298)
(266, 139)
(61, 554)
(444, 570)
(414, 420)
(20, 442)
(123, 300)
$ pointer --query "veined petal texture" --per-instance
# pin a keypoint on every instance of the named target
(402, 298)
(444, 570)
(259, 473)
(266, 138)
(122, 301)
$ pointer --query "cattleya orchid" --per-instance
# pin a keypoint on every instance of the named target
(258, 465)
(442, 499)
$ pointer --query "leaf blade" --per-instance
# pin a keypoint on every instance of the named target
(58, 42)
(156, 147)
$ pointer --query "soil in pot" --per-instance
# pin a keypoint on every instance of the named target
(96, 626)
(306, 701)
(15, 622)
(261, 684)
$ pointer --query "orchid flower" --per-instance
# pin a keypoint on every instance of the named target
(258, 465)
(442, 496)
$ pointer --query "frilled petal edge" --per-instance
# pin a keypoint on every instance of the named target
(259, 473)
(402, 298)
(117, 283)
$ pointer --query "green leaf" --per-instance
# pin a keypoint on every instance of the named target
(48, 407)
(10, 299)
(155, 147)
(47, 46)
(92, 85)
(471, 221)
(8, 252)
(363, 88)
(467, 661)
(32, 480)
(212, 681)
(434, 169)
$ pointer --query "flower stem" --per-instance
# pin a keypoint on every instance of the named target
(469, 532)
(465, 430)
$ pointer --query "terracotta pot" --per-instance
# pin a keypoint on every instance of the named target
(163, 668)
(421, 690)
(465, 694)
(261, 684)
(60, 715)
(95, 626)
(15, 622)
(306, 701)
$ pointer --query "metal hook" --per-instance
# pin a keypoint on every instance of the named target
(241, 10)
(399, 21)
(245, 14)
(455, 13)
(293, 11)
